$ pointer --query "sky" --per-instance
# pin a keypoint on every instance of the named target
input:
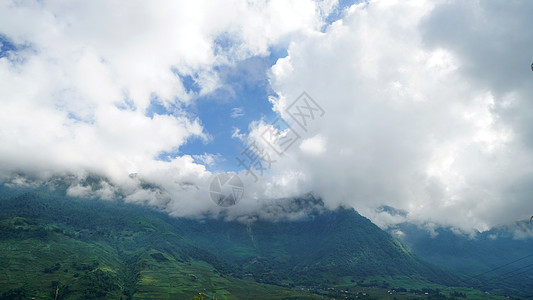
(424, 106)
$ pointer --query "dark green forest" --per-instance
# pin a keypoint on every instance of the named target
(59, 247)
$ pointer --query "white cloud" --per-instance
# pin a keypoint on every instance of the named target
(237, 112)
(76, 95)
(427, 102)
(207, 158)
(414, 118)
(236, 134)
(313, 146)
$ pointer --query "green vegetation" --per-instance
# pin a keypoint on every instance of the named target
(57, 247)
(62, 248)
(202, 296)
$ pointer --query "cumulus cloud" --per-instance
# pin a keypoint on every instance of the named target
(424, 103)
(206, 159)
(103, 87)
(313, 146)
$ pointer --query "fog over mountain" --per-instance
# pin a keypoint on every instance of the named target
(422, 106)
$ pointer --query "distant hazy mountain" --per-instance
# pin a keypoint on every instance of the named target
(499, 260)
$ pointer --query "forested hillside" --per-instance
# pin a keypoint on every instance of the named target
(54, 245)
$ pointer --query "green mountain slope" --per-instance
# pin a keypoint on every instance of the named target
(90, 249)
(57, 247)
(330, 243)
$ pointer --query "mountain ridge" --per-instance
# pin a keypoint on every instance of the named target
(134, 250)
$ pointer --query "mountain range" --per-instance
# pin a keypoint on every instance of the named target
(58, 247)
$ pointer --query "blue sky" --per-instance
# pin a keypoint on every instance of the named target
(241, 100)
(7, 47)
(245, 89)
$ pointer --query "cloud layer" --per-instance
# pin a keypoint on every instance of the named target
(426, 110)
(426, 103)
(101, 87)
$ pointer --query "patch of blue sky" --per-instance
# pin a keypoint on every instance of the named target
(11, 50)
(167, 155)
(190, 84)
(224, 43)
(6, 46)
(127, 103)
(337, 13)
(158, 107)
(242, 99)
(189, 81)
(155, 107)
(80, 119)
